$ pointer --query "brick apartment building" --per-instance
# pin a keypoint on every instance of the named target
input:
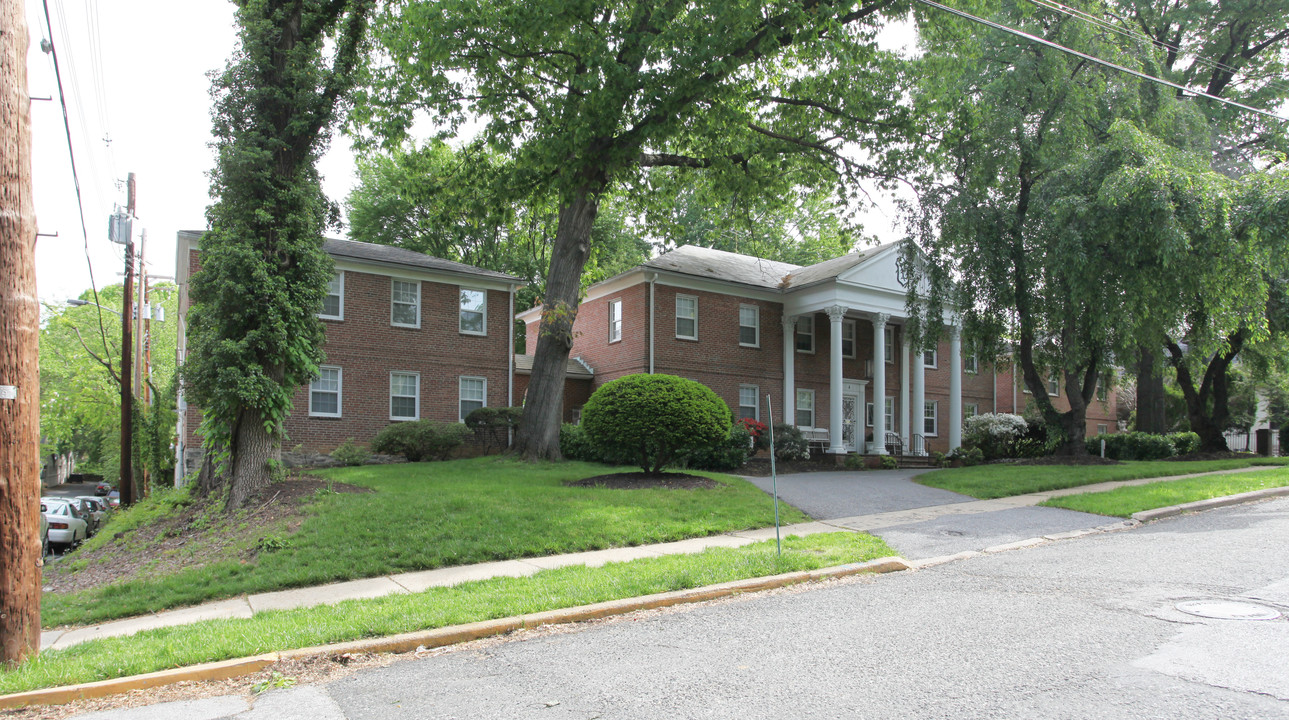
(408, 336)
(809, 337)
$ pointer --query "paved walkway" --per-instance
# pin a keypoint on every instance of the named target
(896, 505)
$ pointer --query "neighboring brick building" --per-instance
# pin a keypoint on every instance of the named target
(408, 336)
(806, 336)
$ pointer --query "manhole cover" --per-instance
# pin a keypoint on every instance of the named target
(1228, 610)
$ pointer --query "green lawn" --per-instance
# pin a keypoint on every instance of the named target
(209, 641)
(995, 481)
(1124, 501)
(429, 515)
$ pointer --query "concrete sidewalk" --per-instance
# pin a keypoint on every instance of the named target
(246, 606)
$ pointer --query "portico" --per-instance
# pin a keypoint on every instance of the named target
(859, 291)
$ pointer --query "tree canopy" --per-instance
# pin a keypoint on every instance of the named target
(585, 97)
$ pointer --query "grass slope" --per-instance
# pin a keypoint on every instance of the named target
(153, 650)
(429, 515)
(1002, 480)
(1124, 501)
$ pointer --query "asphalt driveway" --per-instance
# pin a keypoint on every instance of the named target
(831, 495)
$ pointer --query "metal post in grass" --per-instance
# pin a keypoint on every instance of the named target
(774, 478)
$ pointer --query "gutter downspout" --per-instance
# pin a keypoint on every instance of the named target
(994, 379)
(652, 279)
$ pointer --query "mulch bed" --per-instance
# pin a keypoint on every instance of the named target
(642, 480)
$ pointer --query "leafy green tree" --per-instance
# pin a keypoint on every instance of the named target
(253, 327)
(80, 383)
(586, 97)
(1016, 237)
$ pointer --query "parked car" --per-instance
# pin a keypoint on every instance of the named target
(102, 489)
(66, 526)
(114, 498)
(97, 509)
(44, 535)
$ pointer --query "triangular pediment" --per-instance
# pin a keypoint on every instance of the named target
(879, 271)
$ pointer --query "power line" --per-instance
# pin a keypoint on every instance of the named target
(71, 154)
(1097, 60)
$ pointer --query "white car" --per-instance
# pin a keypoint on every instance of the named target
(66, 526)
(97, 509)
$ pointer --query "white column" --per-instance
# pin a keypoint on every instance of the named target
(955, 387)
(835, 446)
(879, 384)
(788, 413)
(904, 387)
(919, 397)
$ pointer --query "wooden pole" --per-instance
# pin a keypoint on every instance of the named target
(20, 546)
(126, 481)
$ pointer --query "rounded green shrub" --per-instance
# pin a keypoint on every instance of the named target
(420, 440)
(575, 445)
(651, 420)
(729, 455)
(789, 443)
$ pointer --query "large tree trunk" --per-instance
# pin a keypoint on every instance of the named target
(1150, 394)
(251, 469)
(1207, 407)
(20, 544)
(538, 436)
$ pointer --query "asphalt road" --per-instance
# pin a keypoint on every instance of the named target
(1082, 628)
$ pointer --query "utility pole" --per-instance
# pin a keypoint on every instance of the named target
(127, 350)
(140, 390)
(20, 547)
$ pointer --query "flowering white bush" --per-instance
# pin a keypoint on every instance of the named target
(993, 433)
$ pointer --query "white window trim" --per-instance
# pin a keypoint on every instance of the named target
(417, 325)
(967, 406)
(756, 396)
(935, 356)
(679, 317)
(340, 274)
(340, 393)
(809, 321)
(416, 399)
(615, 324)
(460, 398)
(889, 340)
(888, 411)
(463, 331)
(973, 367)
(797, 407)
(934, 416)
(1053, 379)
(756, 326)
(854, 338)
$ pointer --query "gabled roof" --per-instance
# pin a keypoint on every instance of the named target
(720, 265)
(387, 255)
(831, 269)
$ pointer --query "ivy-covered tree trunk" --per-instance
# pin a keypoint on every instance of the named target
(254, 333)
(538, 436)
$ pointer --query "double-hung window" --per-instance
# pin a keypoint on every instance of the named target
(473, 395)
(404, 395)
(969, 364)
(931, 359)
(805, 332)
(324, 392)
(970, 410)
(1103, 383)
(687, 317)
(405, 303)
(848, 338)
(806, 408)
(615, 321)
(748, 405)
(473, 312)
(888, 414)
(930, 418)
(1054, 385)
(888, 333)
(333, 305)
(749, 326)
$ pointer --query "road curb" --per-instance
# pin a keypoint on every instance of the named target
(1226, 501)
(206, 671)
(441, 637)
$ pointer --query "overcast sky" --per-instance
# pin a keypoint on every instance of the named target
(139, 78)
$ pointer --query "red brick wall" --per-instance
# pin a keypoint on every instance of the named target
(576, 392)
(591, 335)
(367, 348)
